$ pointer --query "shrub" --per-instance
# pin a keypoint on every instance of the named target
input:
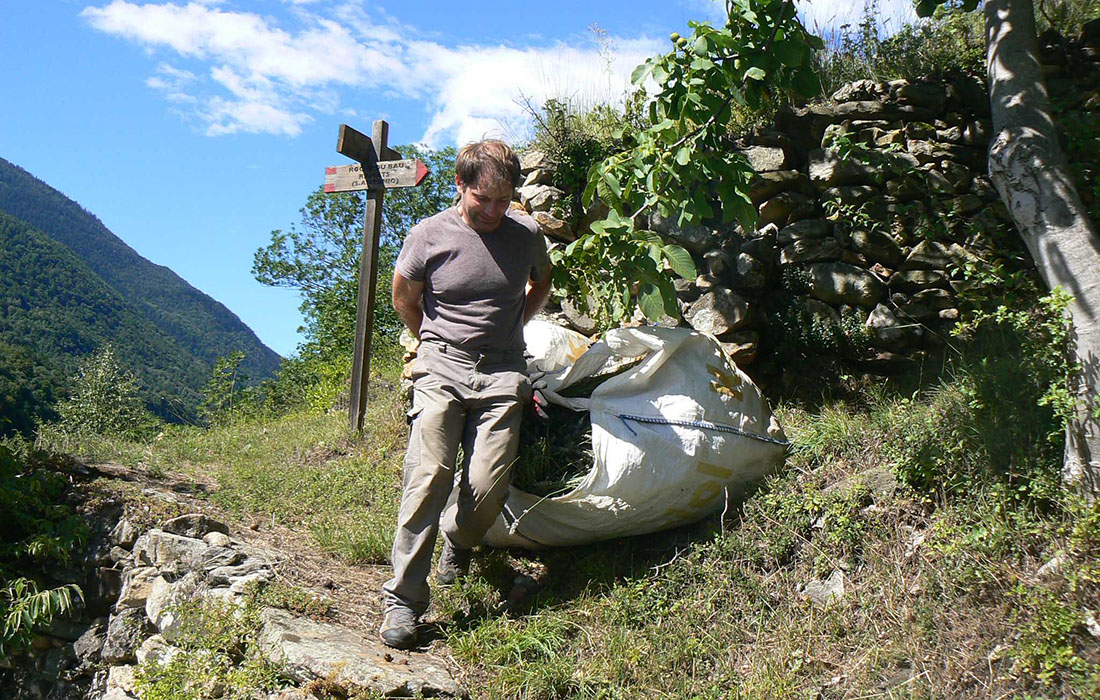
(104, 400)
(36, 532)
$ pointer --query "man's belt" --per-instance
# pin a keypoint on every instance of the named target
(473, 353)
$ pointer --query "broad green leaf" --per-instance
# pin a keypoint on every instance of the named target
(590, 189)
(789, 53)
(683, 156)
(650, 302)
(680, 261)
(668, 296)
(663, 125)
(641, 73)
(755, 73)
(613, 183)
(655, 253)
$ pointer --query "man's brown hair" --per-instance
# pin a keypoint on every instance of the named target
(487, 162)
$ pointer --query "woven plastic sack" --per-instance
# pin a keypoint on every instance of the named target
(675, 437)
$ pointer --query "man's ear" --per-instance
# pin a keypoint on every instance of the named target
(458, 183)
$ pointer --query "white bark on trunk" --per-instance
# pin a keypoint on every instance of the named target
(1029, 170)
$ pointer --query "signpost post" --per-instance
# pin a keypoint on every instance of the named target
(378, 167)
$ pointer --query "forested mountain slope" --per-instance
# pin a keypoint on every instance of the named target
(202, 327)
(59, 310)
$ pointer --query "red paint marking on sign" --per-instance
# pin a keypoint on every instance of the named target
(330, 188)
(330, 170)
(421, 171)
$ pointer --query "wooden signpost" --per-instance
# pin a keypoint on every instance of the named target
(378, 168)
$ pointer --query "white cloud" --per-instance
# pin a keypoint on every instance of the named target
(251, 116)
(264, 78)
(481, 90)
(173, 82)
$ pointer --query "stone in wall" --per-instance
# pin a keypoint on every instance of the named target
(861, 90)
(785, 208)
(578, 320)
(877, 246)
(957, 174)
(741, 346)
(695, 238)
(751, 273)
(765, 158)
(841, 283)
(686, 291)
(806, 228)
(533, 160)
(762, 244)
(966, 204)
(850, 195)
(768, 184)
(538, 177)
(927, 255)
(916, 280)
(717, 312)
(554, 228)
(810, 250)
(827, 170)
(888, 333)
(539, 197)
(931, 96)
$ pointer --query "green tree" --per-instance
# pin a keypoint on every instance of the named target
(1031, 173)
(680, 165)
(321, 258)
(105, 400)
(227, 393)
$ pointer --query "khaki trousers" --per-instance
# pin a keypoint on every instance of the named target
(460, 398)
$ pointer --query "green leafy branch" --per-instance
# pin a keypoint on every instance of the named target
(682, 162)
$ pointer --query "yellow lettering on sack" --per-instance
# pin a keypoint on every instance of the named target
(727, 384)
(714, 470)
(705, 494)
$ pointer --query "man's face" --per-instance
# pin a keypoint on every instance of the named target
(484, 204)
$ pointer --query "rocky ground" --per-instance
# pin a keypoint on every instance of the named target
(160, 542)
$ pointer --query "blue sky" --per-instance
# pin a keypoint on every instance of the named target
(194, 129)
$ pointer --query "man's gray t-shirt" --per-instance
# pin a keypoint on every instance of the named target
(474, 283)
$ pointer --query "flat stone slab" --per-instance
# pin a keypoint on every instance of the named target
(311, 650)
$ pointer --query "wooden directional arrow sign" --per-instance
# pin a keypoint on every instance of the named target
(391, 174)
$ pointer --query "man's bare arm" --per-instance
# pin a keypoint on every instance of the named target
(408, 302)
(537, 295)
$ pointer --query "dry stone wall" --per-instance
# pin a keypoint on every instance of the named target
(876, 218)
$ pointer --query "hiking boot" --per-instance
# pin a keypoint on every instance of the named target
(399, 628)
(454, 563)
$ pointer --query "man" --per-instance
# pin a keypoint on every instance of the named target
(465, 282)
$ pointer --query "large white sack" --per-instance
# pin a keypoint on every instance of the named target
(673, 437)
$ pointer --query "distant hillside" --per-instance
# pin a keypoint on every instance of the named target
(200, 325)
(59, 310)
(67, 285)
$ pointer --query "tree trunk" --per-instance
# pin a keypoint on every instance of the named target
(1029, 170)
